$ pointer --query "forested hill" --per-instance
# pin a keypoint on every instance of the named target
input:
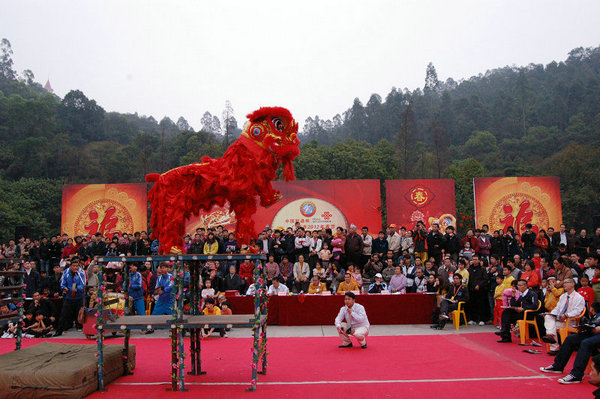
(534, 120)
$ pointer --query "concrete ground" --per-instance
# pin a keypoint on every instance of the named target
(322, 331)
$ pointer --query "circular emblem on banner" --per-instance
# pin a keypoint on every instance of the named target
(106, 216)
(419, 196)
(308, 208)
(311, 213)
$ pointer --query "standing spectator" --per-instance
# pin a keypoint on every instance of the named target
(247, 273)
(314, 248)
(435, 243)
(72, 284)
(380, 245)
(325, 255)
(136, 290)
(354, 246)
(452, 243)
(197, 245)
(485, 245)
(394, 240)
(367, 247)
(541, 243)
(420, 240)
(528, 239)
(163, 288)
(301, 244)
(31, 279)
(45, 255)
(473, 241)
(211, 245)
(397, 282)
(582, 244)
(478, 292)
(410, 271)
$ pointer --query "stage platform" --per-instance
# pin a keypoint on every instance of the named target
(306, 310)
(471, 365)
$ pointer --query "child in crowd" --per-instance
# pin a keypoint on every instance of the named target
(586, 291)
(467, 251)
(325, 255)
(498, 298)
(320, 272)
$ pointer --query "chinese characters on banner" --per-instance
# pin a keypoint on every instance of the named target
(503, 202)
(429, 200)
(315, 204)
(105, 208)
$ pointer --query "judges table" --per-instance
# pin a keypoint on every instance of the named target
(306, 310)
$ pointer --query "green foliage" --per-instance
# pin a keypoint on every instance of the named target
(533, 120)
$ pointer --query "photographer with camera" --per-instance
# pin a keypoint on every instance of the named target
(352, 320)
(584, 342)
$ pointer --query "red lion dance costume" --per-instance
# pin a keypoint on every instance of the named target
(244, 172)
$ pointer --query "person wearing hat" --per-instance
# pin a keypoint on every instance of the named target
(352, 321)
(378, 286)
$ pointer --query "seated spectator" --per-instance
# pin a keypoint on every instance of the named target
(247, 272)
(212, 310)
(378, 286)
(432, 284)
(347, 285)
(251, 291)
(458, 292)
(335, 276)
(272, 269)
(420, 282)
(316, 286)
(232, 281)
(373, 266)
(389, 270)
(528, 300)
(582, 342)
(301, 273)
(207, 292)
(355, 272)
(409, 270)
(397, 281)
(28, 323)
(462, 270)
(570, 304)
(530, 275)
(277, 287)
(429, 269)
(8, 330)
(44, 306)
(286, 271)
(320, 271)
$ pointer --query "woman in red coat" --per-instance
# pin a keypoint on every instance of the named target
(247, 272)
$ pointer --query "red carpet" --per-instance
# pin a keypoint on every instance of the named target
(397, 366)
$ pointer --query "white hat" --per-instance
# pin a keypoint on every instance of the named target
(379, 275)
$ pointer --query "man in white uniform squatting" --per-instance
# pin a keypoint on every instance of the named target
(352, 320)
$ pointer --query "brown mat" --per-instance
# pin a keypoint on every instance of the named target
(52, 370)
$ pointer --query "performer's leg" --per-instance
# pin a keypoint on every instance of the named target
(361, 334)
(343, 335)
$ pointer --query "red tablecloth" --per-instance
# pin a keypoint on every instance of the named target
(306, 310)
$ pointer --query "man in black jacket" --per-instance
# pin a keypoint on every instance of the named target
(452, 243)
(31, 279)
(527, 301)
(435, 243)
(478, 289)
(457, 292)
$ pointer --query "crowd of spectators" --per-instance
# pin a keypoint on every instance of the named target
(396, 261)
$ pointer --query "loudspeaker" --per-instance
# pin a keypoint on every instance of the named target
(22, 231)
(596, 221)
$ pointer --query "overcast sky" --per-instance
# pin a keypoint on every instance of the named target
(182, 58)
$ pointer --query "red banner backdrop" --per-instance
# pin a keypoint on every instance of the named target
(432, 201)
(501, 202)
(315, 204)
(105, 208)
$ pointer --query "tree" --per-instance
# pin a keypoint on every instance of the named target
(82, 118)
(183, 125)
(6, 63)
(432, 83)
(523, 91)
(229, 123)
(405, 139)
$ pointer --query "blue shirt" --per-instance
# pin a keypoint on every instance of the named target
(166, 283)
(136, 287)
(68, 279)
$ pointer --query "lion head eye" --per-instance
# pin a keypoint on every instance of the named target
(278, 123)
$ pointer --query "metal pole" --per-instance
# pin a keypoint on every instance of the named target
(99, 329)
